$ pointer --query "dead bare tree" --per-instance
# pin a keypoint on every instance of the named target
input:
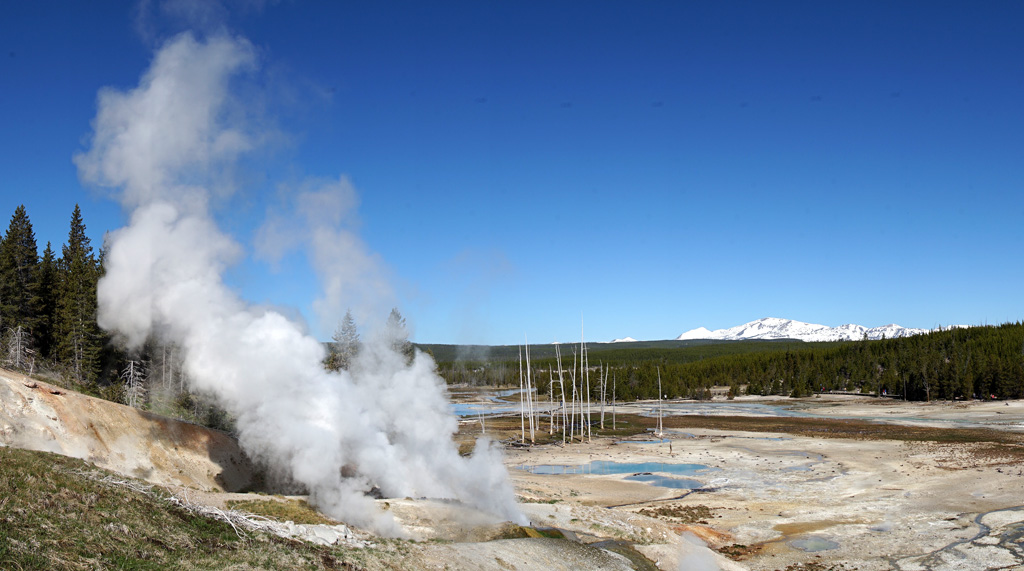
(522, 403)
(585, 374)
(529, 392)
(561, 386)
(551, 400)
(134, 377)
(19, 355)
(661, 430)
(572, 415)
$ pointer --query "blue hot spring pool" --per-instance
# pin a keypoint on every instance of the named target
(654, 473)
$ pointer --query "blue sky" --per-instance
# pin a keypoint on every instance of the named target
(647, 167)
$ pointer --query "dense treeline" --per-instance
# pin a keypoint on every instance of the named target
(672, 350)
(499, 365)
(48, 328)
(976, 362)
(48, 304)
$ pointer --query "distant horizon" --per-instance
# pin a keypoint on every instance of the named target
(676, 338)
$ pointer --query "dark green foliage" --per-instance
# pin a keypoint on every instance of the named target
(47, 281)
(78, 338)
(667, 350)
(345, 346)
(975, 362)
(19, 262)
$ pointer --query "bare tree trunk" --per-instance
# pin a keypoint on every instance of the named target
(134, 375)
(561, 386)
(572, 416)
(613, 402)
(529, 391)
(585, 373)
(590, 414)
(522, 404)
(551, 401)
(163, 370)
(661, 429)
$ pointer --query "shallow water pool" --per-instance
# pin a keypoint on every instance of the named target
(814, 543)
(665, 481)
(605, 467)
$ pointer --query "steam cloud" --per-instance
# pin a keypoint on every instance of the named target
(164, 147)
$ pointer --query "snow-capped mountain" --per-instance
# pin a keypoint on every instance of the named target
(623, 340)
(775, 328)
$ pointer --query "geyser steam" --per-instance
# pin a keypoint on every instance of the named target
(164, 146)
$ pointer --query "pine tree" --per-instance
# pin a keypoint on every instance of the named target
(47, 289)
(397, 334)
(19, 261)
(345, 345)
(78, 337)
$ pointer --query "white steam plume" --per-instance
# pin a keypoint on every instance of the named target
(321, 218)
(384, 423)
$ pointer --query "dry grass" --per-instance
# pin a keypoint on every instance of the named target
(680, 514)
(297, 511)
(53, 516)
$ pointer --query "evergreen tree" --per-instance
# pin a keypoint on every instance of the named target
(397, 334)
(19, 261)
(345, 346)
(78, 337)
(47, 286)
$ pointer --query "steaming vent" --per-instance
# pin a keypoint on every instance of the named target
(167, 149)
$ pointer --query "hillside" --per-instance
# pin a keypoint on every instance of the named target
(62, 513)
(39, 416)
(59, 512)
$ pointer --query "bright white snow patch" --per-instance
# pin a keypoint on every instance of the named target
(776, 328)
(698, 333)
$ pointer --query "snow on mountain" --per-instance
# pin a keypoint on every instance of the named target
(623, 340)
(698, 333)
(776, 328)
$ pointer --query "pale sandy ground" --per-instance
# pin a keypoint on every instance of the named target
(1001, 415)
(886, 504)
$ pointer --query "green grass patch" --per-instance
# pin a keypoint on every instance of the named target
(285, 509)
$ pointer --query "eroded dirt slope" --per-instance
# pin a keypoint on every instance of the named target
(39, 416)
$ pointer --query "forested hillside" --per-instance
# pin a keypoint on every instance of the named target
(975, 362)
(48, 303)
(48, 327)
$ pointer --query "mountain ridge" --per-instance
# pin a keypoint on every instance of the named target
(778, 328)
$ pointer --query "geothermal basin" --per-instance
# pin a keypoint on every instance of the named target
(847, 482)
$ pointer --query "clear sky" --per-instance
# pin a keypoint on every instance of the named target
(647, 167)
